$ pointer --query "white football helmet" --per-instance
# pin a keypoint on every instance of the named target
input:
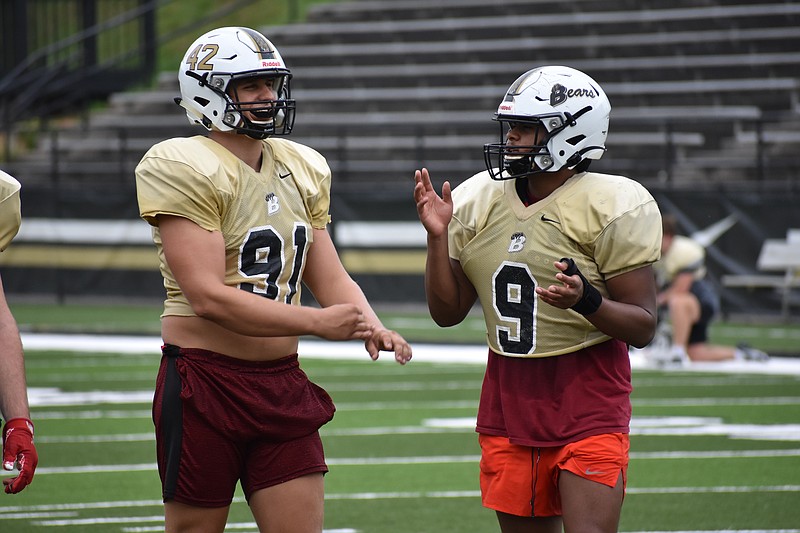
(222, 56)
(571, 107)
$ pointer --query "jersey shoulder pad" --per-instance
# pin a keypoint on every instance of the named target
(310, 171)
(472, 205)
(201, 154)
(617, 219)
(190, 177)
(290, 151)
(473, 197)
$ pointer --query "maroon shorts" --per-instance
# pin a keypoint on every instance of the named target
(220, 420)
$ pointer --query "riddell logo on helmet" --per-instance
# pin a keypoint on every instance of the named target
(506, 107)
(559, 94)
(271, 64)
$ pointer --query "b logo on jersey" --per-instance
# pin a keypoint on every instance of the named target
(517, 242)
(273, 204)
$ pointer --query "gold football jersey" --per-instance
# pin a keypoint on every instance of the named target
(684, 255)
(266, 217)
(608, 224)
(10, 209)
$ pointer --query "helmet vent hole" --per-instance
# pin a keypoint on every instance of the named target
(574, 141)
(202, 101)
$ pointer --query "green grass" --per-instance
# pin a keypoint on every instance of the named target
(88, 318)
(393, 470)
(416, 324)
(716, 481)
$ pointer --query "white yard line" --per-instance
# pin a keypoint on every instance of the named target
(443, 459)
(439, 353)
(395, 495)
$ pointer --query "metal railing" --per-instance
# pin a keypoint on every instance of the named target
(60, 57)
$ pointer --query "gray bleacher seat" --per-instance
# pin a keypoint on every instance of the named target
(686, 81)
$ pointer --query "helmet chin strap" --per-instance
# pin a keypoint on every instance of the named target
(527, 165)
(518, 166)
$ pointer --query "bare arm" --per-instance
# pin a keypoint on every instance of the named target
(13, 392)
(197, 259)
(18, 447)
(629, 314)
(330, 283)
(449, 293)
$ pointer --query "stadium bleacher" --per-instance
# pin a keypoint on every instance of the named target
(692, 78)
(705, 96)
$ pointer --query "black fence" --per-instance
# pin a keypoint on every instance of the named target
(57, 56)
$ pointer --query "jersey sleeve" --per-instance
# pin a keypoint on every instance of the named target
(177, 177)
(633, 238)
(472, 200)
(10, 209)
(459, 232)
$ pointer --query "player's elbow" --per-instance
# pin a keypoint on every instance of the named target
(206, 305)
(445, 322)
(643, 334)
(641, 341)
(446, 317)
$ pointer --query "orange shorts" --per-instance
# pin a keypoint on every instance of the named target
(523, 481)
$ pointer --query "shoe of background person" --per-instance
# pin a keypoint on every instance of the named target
(751, 354)
(666, 356)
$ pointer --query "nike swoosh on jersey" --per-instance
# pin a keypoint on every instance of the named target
(284, 176)
(545, 219)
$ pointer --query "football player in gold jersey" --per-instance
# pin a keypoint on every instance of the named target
(239, 220)
(18, 448)
(561, 261)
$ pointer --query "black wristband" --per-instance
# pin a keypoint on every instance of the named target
(591, 299)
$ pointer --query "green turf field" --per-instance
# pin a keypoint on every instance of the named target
(710, 451)
(775, 337)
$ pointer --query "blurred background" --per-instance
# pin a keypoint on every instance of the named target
(705, 113)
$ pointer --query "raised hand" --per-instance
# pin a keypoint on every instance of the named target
(434, 211)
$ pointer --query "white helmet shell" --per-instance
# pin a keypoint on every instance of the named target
(221, 56)
(570, 105)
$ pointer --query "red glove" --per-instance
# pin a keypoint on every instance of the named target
(18, 449)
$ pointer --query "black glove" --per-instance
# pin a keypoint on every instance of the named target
(591, 299)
